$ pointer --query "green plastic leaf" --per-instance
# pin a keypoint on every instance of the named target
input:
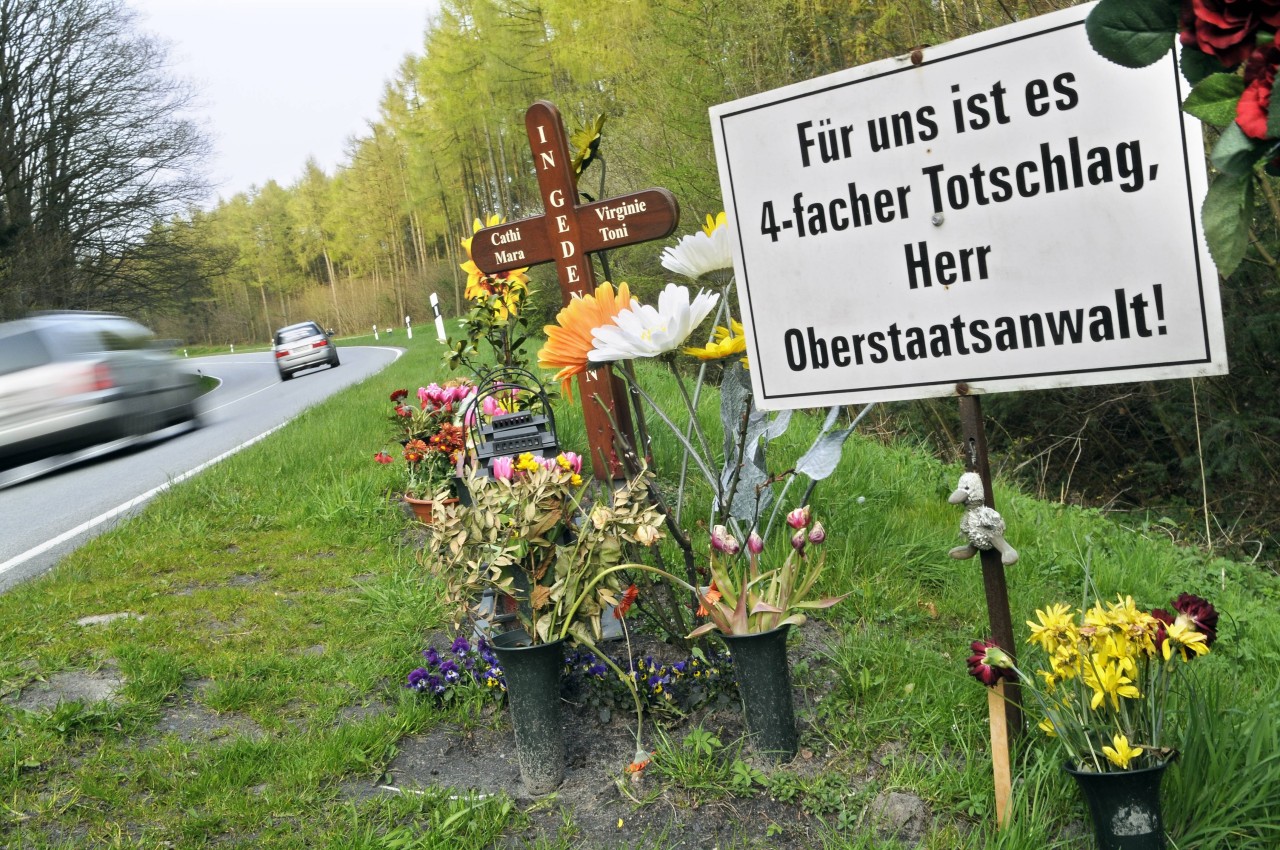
(1196, 65)
(1226, 213)
(1133, 33)
(1235, 153)
(1214, 99)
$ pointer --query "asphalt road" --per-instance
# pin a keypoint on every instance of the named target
(50, 508)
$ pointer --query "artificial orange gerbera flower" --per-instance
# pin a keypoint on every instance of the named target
(628, 599)
(711, 597)
(569, 342)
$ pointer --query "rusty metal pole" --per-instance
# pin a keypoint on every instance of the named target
(993, 580)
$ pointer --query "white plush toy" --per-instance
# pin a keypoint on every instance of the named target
(983, 526)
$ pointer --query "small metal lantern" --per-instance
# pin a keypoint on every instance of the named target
(529, 426)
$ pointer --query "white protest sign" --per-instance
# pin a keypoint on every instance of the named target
(1013, 212)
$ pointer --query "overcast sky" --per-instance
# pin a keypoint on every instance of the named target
(281, 80)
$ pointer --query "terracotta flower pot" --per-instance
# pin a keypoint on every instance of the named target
(422, 508)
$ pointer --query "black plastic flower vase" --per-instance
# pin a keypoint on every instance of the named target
(764, 680)
(1124, 806)
(533, 694)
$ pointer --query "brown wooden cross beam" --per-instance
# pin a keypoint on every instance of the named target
(565, 234)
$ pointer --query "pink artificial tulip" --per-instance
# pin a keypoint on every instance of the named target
(755, 543)
(503, 468)
(490, 406)
(723, 541)
(798, 540)
(574, 460)
(817, 534)
(798, 518)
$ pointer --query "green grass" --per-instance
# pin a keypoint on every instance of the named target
(279, 594)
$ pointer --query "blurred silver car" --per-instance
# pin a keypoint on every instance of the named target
(303, 346)
(72, 380)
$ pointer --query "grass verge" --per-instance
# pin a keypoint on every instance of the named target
(267, 611)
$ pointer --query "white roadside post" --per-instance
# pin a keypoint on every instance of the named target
(408, 328)
(435, 308)
(375, 333)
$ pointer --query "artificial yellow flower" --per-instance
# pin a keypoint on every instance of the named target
(1050, 680)
(725, 342)
(1124, 611)
(1184, 634)
(1046, 726)
(1056, 627)
(1098, 624)
(569, 341)
(584, 144)
(1124, 651)
(1121, 753)
(720, 220)
(510, 286)
(1065, 662)
(1106, 679)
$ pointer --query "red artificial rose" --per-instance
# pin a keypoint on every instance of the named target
(1225, 29)
(1259, 78)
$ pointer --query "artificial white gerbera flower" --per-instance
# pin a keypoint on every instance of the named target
(644, 331)
(704, 253)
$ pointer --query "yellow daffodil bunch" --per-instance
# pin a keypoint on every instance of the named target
(1106, 676)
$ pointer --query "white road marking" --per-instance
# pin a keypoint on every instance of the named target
(71, 534)
(83, 527)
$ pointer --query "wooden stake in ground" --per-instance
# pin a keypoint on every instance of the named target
(1000, 751)
(1005, 700)
(566, 233)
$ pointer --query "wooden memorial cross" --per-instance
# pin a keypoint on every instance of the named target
(565, 234)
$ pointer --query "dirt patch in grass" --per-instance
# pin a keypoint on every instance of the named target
(604, 807)
(71, 686)
(600, 806)
(193, 723)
